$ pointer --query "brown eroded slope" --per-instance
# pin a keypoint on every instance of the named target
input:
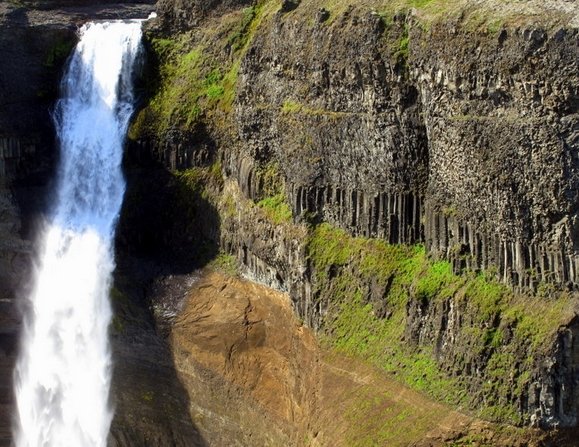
(256, 376)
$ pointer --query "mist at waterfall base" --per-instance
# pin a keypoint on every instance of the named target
(63, 373)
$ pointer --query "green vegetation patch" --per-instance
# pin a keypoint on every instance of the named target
(368, 287)
(192, 77)
(290, 107)
(401, 49)
(226, 263)
(240, 36)
(272, 199)
(378, 419)
(276, 208)
(344, 268)
(199, 181)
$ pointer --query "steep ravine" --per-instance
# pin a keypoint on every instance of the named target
(371, 160)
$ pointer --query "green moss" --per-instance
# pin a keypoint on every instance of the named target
(197, 182)
(176, 102)
(536, 319)
(347, 269)
(291, 107)
(272, 198)
(419, 3)
(225, 263)
(449, 211)
(488, 296)
(148, 396)
(239, 38)
(436, 278)
(194, 81)
(163, 46)
(494, 26)
(378, 419)
(402, 46)
(270, 179)
(355, 330)
(215, 172)
(276, 208)
(191, 179)
(215, 91)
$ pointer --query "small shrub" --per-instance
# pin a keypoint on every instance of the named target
(225, 263)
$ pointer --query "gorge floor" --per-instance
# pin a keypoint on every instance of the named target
(254, 375)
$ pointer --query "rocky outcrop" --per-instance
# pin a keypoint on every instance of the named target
(435, 136)
(183, 14)
(502, 133)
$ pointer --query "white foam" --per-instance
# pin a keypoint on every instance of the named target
(63, 373)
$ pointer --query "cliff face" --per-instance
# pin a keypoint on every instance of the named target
(434, 133)
(397, 125)
(502, 150)
(443, 142)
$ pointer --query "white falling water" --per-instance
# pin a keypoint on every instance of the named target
(62, 377)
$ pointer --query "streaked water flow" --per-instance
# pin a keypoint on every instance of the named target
(63, 373)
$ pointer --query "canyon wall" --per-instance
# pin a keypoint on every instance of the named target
(398, 125)
(456, 129)
(467, 142)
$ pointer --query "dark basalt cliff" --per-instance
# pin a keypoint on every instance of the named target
(456, 129)
(468, 143)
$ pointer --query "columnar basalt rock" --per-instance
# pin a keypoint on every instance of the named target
(502, 126)
(446, 149)
(453, 134)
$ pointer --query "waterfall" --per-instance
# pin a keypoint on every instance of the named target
(63, 373)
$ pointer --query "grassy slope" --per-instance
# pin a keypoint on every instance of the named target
(510, 331)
